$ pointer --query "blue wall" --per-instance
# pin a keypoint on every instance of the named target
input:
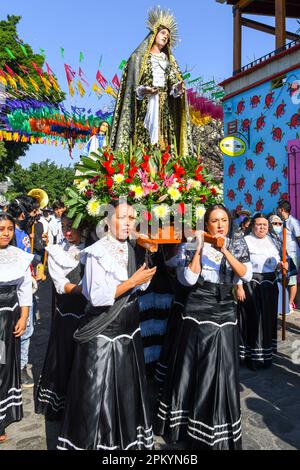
(259, 178)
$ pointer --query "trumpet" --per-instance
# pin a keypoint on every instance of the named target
(40, 195)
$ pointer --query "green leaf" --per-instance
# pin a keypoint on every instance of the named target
(71, 202)
(89, 163)
(77, 220)
(72, 212)
(70, 192)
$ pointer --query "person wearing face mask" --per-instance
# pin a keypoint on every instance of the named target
(277, 224)
(258, 299)
(66, 272)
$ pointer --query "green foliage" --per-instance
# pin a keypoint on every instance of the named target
(45, 175)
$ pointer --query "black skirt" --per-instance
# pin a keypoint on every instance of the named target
(107, 405)
(258, 321)
(200, 400)
(10, 367)
(54, 379)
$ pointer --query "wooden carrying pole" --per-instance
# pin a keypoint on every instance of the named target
(32, 239)
(283, 281)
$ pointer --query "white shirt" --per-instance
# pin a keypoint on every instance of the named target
(210, 267)
(55, 230)
(264, 255)
(15, 271)
(106, 264)
(62, 259)
(292, 232)
(45, 223)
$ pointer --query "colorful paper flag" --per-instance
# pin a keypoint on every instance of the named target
(37, 68)
(23, 49)
(10, 53)
(10, 71)
(81, 75)
(70, 74)
(122, 64)
(24, 69)
(81, 57)
(62, 52)
(115, 81)
(101, 79)
(80, 88)
(22, 83)
(34, 84)
(109, 90)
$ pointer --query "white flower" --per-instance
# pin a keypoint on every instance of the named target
(174, 193)
(200, 211)
(191, 183)
(119, 178)
(93, 207)
(161, 211)
(81, 186)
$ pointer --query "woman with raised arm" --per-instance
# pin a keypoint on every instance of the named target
(107, 406)
(200, 401)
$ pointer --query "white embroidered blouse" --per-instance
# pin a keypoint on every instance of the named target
(210, 267)
(62, 259)
(106, 264)
(15, 271)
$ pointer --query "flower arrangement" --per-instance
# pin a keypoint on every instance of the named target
(157, 183)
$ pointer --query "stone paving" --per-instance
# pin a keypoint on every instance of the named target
(270, 398)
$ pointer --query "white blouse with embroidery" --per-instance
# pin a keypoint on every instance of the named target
(15, 271)
(106, 264)
(210, 267)
(264, 255)
(62, 259)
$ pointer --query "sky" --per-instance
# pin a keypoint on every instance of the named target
(114, 29)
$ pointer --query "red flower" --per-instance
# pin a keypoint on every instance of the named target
(182, 188)
(147, 216)
(203, 198)
(108, 168)
(146, 158)
(121, 168)
(109, 182)
(145, 167)
(165, 158)
(179, 170)
(199, 177)
(213, 192)
(128, 180)
(89, 193)
(132, 171)
(181, 208)
(200, 168)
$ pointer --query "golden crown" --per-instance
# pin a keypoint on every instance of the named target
(159, 17)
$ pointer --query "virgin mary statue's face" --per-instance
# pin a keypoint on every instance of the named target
(162, 38)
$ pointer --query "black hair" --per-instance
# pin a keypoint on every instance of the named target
(100, 124)
(6, 216)
(285, 205)
(244, 221)
(214, 207)
(58, 205)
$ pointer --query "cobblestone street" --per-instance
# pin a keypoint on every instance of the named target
(270, 398)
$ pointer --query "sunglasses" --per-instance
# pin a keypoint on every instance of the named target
(276, 223)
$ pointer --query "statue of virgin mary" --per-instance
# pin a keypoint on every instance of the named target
(151, 108)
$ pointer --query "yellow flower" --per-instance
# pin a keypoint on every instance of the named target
(81, 185)
(119, 178)
(191, 183)
(93, 207)
(200, 211)
(138, 191)
(161, 211)
(174, 193)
